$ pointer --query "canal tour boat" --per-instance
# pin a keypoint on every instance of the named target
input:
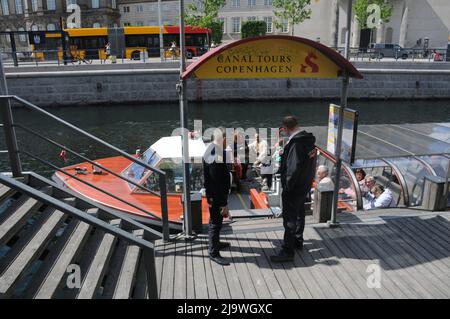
(165, 155)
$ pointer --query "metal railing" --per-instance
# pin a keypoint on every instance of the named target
(13, 149)
(144, 243)
(408, 54)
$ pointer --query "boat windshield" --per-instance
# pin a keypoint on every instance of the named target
(137, 172)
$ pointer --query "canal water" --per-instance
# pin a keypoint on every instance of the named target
(131, 126)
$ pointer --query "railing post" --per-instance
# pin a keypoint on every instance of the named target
(150, 271)
(10, 134)
(164, 211)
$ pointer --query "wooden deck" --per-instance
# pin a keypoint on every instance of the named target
(411, 248)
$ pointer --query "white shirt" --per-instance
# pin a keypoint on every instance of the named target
(385, 200)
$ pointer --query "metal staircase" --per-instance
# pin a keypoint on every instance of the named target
(49, 236)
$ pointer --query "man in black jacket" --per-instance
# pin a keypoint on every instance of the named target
(217, 184)
(297, 172)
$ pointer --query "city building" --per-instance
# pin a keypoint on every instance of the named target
(411, 24)
(18, 15)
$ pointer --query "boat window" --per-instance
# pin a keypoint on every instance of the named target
(383, 175)
(137, 172)
(347, 191)
(174, 177)
(414, 172)
(438, 163)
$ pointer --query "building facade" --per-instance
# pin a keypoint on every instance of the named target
(412, 21)
(37, 15)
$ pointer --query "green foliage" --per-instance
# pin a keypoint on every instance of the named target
(252, 29)
(216, 29)
(360, 9)
(294, 11)
(204, 14)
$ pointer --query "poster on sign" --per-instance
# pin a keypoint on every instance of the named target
(348, 134)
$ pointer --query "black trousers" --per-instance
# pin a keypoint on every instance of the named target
(293, 220)
(215, 225)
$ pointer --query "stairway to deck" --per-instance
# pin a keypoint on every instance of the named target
(54, 244)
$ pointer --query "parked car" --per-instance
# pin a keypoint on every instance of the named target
(387, 50)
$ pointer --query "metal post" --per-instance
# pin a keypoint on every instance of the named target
(10, 133)
(164, 212)
(13, 49)
(161, 39)
(446, 190)
(344, 95)
(184, 124)
(63, 41)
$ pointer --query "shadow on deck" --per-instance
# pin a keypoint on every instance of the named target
(408, 249)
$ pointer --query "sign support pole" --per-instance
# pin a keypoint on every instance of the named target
(344, 95)
(184, 124)
(161, 39)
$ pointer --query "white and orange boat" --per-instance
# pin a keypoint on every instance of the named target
(133, 198)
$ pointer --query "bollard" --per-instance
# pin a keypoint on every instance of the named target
(323, 202)
(434, 195)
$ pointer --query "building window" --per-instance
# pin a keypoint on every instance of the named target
(69, 2)
(224, 24)
(267, 2)
(51, 27)
(95, 4)
(251, 3)
(96, 25)
(284, 26)
(251, 19)
(126, 24)
(140, 23)
(165, 7)
(343, 35)
(126, 9)
(51, 5)
(389, 35)
(34, 5)
(236, 23)
(34, 27)
(139, 8)
(22, 36)
(114, 4)
(19, 7)
(5, 7)
(269, 24)
(236, 3)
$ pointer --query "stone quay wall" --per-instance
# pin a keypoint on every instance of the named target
(56, 86)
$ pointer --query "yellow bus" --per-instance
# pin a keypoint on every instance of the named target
(126, 42)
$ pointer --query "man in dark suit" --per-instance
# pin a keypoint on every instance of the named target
(217, 184)
(297, 172)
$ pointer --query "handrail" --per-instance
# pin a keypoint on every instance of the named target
(86, 183)
(161, 174)
(84, 158)
(74, 212)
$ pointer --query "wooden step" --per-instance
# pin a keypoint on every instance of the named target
(5, 192)
(141, 287)
(16, 216)
(121, 276)
(28, 248)
(49, 277)
(99, 265)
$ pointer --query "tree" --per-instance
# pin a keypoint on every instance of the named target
(204, 14)
(251, 29)
(294, 11)
(360, 10)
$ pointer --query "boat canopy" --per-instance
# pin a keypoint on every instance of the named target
(166, 155)
(404, 176)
